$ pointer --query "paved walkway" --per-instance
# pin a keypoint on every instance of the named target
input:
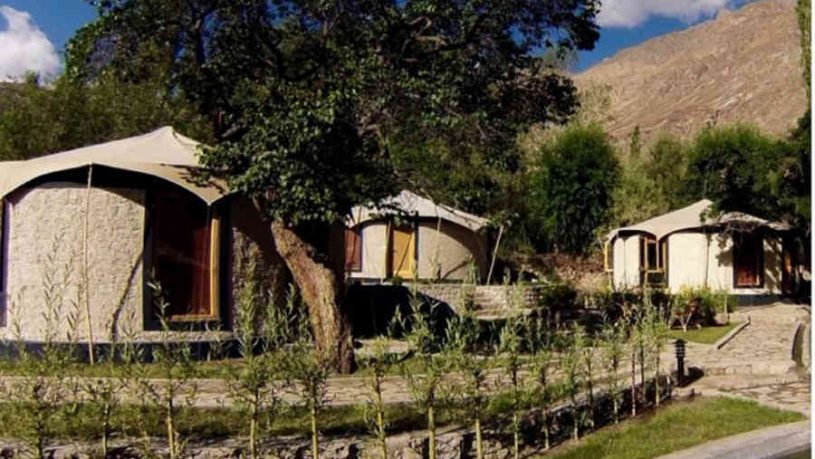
(757, 363)
(772, 442)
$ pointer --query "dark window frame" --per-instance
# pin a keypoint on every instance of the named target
(217, 289)
(355, 264)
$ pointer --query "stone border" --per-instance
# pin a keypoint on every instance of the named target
(726, 338)
(769, 443)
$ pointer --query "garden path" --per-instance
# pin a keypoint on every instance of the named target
(758, 362)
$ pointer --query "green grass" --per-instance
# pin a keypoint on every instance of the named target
(704, 335)
(676, 427)
(82, 421)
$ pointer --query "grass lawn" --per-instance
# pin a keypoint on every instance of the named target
(704, 335)
(676, 427)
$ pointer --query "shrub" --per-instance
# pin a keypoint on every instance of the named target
(706, 301)
(558, 297)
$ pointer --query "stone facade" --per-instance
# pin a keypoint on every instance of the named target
(44, 240)
(44, 246)
(485, 299)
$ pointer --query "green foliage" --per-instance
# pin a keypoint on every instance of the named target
(176, 388)
(36, 119)
(732, 167)
(40, 396)
(804, 12)
(613, 351)
(791, 184)
(707, 301)
(558, 297)
(311, 98)
(572, 189)
(651, 185)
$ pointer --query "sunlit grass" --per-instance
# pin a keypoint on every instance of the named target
(676, 427)
(704, 335)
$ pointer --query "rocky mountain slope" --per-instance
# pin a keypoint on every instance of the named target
(742, 66)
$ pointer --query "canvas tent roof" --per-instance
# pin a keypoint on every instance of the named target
(693, 216)
(411, 204)
(163, 153)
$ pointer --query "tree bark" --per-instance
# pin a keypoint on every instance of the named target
(322, 289)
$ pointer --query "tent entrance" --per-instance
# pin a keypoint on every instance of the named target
(402, 251)
(748, 260)
(653, 261)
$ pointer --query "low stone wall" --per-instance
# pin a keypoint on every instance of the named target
(492, 298)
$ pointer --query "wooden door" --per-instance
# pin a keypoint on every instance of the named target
(402, 258)
(748, 260)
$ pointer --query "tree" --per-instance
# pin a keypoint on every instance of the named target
(572, 188)
(804, 13)
(308, 99)
(652, 185)
(732, 167)
(37, 119)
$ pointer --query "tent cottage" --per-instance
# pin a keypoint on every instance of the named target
(411, 237)
(736, 252)
(97, 224)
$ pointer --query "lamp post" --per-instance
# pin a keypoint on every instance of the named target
(680, 362)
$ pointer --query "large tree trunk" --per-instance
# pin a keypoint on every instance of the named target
(322, 290)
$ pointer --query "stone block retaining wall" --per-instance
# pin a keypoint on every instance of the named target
(484, 298)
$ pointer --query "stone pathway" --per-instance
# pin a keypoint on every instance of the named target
(757, 364)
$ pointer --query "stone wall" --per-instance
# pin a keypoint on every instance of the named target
(483, 298)
(44, 245)
(44, 240)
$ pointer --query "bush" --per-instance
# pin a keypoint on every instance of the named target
(558, 297)
(708, 302)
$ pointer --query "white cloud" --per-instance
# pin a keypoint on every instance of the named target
(631, 13)
(24, 47)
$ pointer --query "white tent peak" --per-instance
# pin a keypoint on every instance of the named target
(695, 216)
(162, 153)
(410, 204)
(161, 146)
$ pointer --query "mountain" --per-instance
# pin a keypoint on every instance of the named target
(742, 66)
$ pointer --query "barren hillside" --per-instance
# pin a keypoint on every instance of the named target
(742, 66)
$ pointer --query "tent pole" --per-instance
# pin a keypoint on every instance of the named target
(85, 270)
(495, 253)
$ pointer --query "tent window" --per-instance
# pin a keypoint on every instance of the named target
(185, 248)
(748, 260)
(353, 249)
(653, 255)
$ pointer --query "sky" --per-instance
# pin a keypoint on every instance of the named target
(33, 33)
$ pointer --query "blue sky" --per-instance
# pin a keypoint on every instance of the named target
(33, 33)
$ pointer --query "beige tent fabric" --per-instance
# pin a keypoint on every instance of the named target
(162, 153)
(693, 216)
(411, 204)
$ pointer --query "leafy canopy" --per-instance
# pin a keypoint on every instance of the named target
(572, 189)
(310, 99)
(732, 166)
